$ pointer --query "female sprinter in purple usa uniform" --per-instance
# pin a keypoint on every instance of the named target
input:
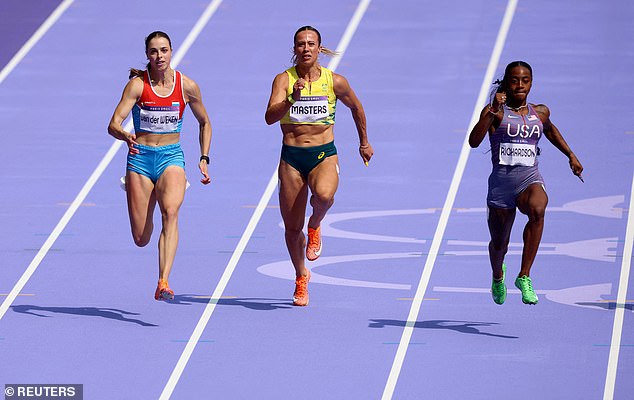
(303, 99)
(515, 127)
(155, 170)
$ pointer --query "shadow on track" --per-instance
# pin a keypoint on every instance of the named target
(252, 303)
(457, 326)
(109, 313)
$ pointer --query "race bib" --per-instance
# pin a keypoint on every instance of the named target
(309, 109)
(159, 121)
(517, 154)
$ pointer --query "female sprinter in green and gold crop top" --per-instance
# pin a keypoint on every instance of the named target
(303, 99)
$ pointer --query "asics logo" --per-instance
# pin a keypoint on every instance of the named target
(321, 155)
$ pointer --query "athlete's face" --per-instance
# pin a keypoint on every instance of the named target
(520, 81)
(307, 47)
(159, 53)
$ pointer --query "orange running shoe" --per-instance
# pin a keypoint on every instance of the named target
(163, 291)
(313, 249)
(300, 296)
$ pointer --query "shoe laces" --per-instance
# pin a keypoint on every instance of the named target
(313, 238)
(527, 283)
(301, 286)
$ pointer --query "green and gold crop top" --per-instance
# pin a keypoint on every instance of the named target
(317, 103)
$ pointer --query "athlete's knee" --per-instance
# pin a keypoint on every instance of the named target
(324, 198)
(499, 246)
(170, 213)
(536, 213)
(141, 240)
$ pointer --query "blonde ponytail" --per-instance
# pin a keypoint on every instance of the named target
(328, 52)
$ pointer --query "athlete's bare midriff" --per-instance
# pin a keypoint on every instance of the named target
(157, 139)
(307, 135)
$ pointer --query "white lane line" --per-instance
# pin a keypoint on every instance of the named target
(195, 32)
(57, 230)
(617, 329)
(41, 31)
(244, 239)
(349, 32)
(449, 201)
(96, 174)
(220, 288)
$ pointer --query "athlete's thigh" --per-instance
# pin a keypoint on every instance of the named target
(532, 200)
(170, 188)
(141, 199)
(323, 180)
(293, 194)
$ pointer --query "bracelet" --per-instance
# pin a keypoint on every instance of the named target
(206, 158)
(492, 111)
(291, 99)
(365, 146)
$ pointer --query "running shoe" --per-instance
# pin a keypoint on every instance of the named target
(498, 288)
(313, 249)
(300, 296)
(163, 291)
(525, 284)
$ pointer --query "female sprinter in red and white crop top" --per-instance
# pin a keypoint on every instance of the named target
(155, 170)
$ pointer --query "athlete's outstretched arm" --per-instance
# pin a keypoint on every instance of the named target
(554, 136)
(194, 97)
(344, 92)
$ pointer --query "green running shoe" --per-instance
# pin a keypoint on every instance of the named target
(525, 284)
(498, 288)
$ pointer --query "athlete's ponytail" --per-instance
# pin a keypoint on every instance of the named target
(328, 52)
(322, 49)
(138, 73)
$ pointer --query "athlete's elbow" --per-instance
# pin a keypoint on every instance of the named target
(357, 111)
(473, 142)
(270, 120)
(111, 129)
(205, 125)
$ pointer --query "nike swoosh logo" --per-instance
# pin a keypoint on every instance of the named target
(512, 116)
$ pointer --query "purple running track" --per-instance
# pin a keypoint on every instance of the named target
(87, 314)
